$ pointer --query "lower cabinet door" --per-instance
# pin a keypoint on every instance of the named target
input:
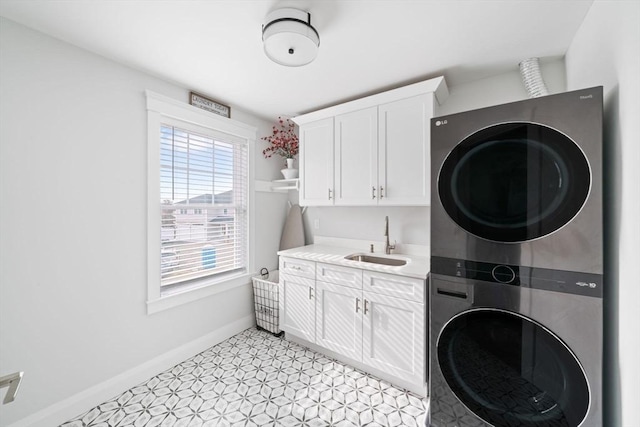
(394, 336)
(339, 319)
(298, 314)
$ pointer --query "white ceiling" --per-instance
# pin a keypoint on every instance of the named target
(214, 47)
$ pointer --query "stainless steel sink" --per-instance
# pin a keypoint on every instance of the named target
(376, 259)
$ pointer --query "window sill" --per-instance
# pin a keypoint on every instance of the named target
(207, 288)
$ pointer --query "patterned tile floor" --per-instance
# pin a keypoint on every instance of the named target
(256, 379)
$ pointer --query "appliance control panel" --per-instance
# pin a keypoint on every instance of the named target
(572, 282)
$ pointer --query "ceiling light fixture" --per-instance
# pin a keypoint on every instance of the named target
(289, 38)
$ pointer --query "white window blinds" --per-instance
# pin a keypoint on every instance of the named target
(203, 195)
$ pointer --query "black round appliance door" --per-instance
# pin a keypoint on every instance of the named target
(514, 182)
(511, 371)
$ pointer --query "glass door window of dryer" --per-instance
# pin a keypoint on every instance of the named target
(511, 371)
(514, 182)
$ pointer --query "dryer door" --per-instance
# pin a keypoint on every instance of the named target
(511, 371)
(514, 182)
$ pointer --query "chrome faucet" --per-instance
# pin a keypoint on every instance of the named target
(387, 246)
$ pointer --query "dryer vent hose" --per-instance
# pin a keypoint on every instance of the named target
(532, 78)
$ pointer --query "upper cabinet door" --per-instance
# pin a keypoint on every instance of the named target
(404, 151)
(356, 157)
(316, 163)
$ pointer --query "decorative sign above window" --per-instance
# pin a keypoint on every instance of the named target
(209, 105)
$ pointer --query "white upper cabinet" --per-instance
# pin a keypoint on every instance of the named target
(404, 151)
(316, 163)
(356, 157)
(378, 150)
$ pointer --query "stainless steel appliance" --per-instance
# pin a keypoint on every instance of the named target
(514, 346)
(517, 263)
(521, 183)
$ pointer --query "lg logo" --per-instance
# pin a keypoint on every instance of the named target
(441, 122)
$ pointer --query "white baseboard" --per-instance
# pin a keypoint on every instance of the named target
(79, 403)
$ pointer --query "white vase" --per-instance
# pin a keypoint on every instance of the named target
(289, 172)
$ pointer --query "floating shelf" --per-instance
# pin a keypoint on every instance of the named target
(285, 184)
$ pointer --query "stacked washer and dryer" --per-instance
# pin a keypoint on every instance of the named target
(517, 264)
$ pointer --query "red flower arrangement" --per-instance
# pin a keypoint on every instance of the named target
(283, 141)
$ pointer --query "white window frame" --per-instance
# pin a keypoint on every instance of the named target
(160, 107)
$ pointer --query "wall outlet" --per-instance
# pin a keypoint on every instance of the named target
(316, 224)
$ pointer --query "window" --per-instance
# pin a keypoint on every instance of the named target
(199, 217)
(209, 176)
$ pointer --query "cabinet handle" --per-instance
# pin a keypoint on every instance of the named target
(366, 307)
(329, 194)
(357, 304)
(373, 192)
(310, 294)
(381, 192)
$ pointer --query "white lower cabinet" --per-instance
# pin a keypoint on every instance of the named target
(339, 319)
(394, 336)
(383, 330)
(298, 314)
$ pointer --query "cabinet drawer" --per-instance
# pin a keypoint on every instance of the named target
(407, 288)
(297, 267)
(345, 276)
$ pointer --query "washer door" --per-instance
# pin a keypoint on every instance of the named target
(514, 182)
(511, 371)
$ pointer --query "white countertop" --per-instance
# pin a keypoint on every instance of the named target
(416, 266)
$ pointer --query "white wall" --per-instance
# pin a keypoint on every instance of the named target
(406, 224)
(606, 52)
(411, 224)
(502, 88)
(73, 224)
